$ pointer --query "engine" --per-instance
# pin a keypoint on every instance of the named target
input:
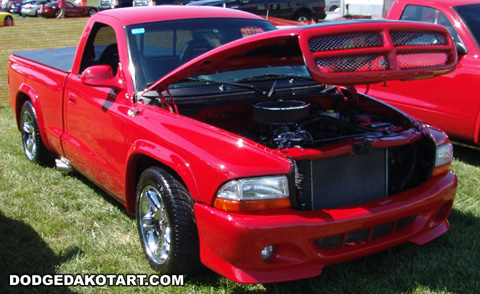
(290, 123)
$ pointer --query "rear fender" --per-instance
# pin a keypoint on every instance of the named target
(24, 91)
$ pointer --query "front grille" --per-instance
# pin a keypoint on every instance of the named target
(417, 38)
(345, 41)
(363, 236)
(342, 180)
(421, 60)
(358, 63)
(353, 179)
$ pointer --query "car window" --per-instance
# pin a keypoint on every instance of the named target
(101, 48)
(430, 15)
(470, 14)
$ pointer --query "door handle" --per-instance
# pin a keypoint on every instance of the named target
(72, 98)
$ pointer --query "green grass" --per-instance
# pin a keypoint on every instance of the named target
(52, 222)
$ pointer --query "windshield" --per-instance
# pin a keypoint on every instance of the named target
(157, 48)
(470, 14)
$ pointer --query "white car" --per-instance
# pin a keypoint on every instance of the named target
(30, 9)
(332, 5)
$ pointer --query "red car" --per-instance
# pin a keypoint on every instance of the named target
(51, 10)
(450, 101)
(227, 140)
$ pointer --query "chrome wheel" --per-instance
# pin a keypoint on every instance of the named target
(29, 136)
(33, 146)
(166, 223)
(154, 224)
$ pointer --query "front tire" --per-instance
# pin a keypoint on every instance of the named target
(166, 223)
(33, 146)
(7, 21)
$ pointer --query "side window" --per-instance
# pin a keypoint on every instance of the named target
(101, 48)
(430, 15)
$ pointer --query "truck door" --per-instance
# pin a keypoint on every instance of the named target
(447, 98)
(94, 139)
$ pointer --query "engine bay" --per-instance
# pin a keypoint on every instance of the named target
(307, 122)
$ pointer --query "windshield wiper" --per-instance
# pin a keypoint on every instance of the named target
(239, 85)
(273, 76)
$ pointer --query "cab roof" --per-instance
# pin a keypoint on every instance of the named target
(134, 15)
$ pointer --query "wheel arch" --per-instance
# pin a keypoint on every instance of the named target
(20, 99)
(476, 132)
(303, 9)
(144, 158)
(27, 93)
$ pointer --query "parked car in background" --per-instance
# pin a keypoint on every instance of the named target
(298, 10)
(51, 10)
(31, 8)
(16, 7)
(6, 19)
(332, 5)
(13, 4)
(451, 101)
(143, 3)
(110, 4)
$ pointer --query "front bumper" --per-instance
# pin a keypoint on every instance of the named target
(230, 243)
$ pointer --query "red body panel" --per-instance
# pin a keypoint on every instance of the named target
(109, 137)
(449, 101)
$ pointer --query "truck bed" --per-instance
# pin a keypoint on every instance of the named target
(58, 58)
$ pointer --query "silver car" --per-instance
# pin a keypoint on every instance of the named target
(30, 9)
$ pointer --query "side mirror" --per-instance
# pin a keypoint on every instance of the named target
(461, 49)
(101, 76)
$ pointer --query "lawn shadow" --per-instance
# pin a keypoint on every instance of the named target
(107, 197)
(22, 252)
(470, 155)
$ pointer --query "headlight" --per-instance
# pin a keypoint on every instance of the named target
(444, 150)
(444, 154)
(443, 158)
(254, 194)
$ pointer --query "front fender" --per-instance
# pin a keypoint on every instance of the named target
(144, 148)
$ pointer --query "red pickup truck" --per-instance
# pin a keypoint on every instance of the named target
(450, 101)
(239, 146)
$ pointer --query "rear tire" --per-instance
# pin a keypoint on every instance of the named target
(33, 146)
(302, 17)
(166, 223)
(92, 12)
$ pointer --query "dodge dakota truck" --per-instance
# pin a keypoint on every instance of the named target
(240, 147)
(450, 101)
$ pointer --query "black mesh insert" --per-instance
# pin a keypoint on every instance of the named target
(364, 236)
(342, 180)
(345, 41)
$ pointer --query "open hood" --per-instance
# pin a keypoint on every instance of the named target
(335, 53)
